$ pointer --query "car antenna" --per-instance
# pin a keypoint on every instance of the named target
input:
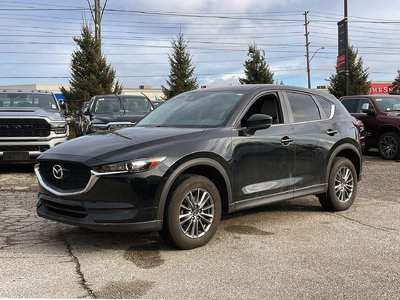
(120, 103)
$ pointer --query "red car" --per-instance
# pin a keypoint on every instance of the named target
(381, 117)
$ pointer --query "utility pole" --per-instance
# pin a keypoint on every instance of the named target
(307, 44)
(97, 20)
(346, 41)
(97, 16)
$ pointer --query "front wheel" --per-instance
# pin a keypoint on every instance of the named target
(389, 145)
(342, 186)
(193, 213)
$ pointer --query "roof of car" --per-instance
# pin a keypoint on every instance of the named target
(261, 87)
(25, 91)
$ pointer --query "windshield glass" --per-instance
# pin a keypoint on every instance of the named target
(128, 105)
(197, 109)
(27, 100)
(388, 103)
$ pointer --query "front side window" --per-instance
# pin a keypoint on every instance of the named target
(27, 100)
(195, 109)
(303, 107)
(267, 105)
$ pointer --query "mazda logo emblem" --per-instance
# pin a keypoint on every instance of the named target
(58, 172)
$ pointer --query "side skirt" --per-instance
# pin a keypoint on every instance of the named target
(260, 201)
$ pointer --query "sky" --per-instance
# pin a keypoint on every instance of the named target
(36, 38)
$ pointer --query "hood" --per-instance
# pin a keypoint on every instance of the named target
(120, 145)
(99, 119)
(33, 112)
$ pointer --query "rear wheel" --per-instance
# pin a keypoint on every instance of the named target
(389, 145)
(342, 186)
(193, 213)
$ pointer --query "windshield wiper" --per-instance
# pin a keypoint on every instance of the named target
(120, 103)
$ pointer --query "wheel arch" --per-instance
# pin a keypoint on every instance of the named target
(387, 128)
(350, 152)
(205, 166)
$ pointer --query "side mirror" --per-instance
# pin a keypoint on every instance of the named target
(367, 109)
(257, 122)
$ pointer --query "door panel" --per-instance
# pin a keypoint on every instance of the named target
(262, 163)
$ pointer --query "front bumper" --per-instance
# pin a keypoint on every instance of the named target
(100, 216)
(27, 148)
(121, 202)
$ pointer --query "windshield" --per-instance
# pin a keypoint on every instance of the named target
(196, 109)
(388, 103)
(128, 105)
(27, 100)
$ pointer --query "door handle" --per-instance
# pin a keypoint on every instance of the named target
(286, 140)
(331, 132)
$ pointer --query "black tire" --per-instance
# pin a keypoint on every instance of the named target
(191, 210)
(342, 186)
(389, 145)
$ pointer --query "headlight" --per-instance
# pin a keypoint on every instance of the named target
(134, 166)
(59, 127)
(96, 127)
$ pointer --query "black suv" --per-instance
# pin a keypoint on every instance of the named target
(114, 111)
(204, 153)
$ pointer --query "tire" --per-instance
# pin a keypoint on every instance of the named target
(342, 186)
(194, 200)
(389, 145)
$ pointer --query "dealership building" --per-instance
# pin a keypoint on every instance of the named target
(376, 87)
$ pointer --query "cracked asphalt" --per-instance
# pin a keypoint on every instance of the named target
(292, 249)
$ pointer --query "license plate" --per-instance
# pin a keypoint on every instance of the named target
(16, 155)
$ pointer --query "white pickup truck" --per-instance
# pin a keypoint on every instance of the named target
(31, 122)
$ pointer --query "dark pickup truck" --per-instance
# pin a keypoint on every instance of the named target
(381, 117)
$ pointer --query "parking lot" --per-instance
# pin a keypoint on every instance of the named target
(292, 249)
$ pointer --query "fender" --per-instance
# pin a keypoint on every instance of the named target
(181, 169)
(339, 148)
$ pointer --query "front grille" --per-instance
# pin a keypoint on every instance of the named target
(75, 175)
(24, 128)
(41, 148)
(118, 126)
(66, 210)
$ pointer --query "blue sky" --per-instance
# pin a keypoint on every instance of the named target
(36, 38)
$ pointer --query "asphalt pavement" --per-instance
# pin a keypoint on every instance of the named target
(293, 249)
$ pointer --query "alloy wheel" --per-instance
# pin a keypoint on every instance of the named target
(388, 146)
(196, 213)
(344, 184)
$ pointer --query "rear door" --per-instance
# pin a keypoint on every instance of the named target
(315, 132)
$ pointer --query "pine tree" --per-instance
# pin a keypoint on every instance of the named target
(90, 73)
(181, 77)
(396, 84)
(256, 69)
(358, 77)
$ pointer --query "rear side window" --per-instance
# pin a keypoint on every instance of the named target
(303, 107)
(326, 105)
(351, 105)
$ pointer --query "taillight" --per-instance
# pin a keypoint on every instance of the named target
(359, 125)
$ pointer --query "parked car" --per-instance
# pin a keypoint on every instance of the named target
(204, 153)
(31, 122)
(381, 117)
(114, 111)
(80, 122)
